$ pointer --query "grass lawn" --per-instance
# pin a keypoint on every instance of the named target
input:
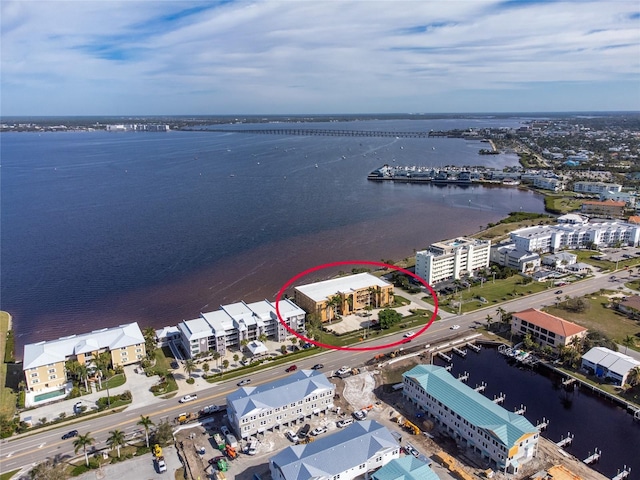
(613, 324)
(493, 293)
(114, 381)
(605, 265)
(7, 396)
(562, 203)
(501, 230)
(8, 475)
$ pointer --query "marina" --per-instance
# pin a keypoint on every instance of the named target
(449, 175)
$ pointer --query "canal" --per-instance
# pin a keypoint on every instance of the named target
(593, 421)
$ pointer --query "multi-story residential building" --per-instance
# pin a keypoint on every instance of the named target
(290, 400)
(505, 438)
(605, 363)
(350, 453)
(596, 187)
(508, 255)
(559, 260)
(546, 329)
(343, 295)
(547, 183)
(608, 208)
(629, 198)
(450, 259)
(226, 328)
(551, 238)
(44, 362)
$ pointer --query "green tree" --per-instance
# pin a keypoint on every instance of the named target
(163, 434)
(283, 349)
(236, 357)
(149, 335)
(82, 442)
(225, 364)
(205, 368)
(244, 342)
(488, 318)
(116, 439)
(633, 377)
(628, 341)
(103, 362)
(49, 470)
(332, 303)
(216, 356)
(189, 366)
(146, 423)
(388, 317)
(263, 337)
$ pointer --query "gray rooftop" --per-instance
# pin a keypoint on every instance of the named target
(333, 454)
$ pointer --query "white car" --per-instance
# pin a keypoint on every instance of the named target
(343, 370)
(318, 431)
(412, 450)
(188, 398)
(360, 414)
(345, 422)
(454, 327)
(408, 334)
(291, 436)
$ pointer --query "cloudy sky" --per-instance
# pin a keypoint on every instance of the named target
(151, 57)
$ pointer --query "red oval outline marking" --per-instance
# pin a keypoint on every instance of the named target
(355, 262)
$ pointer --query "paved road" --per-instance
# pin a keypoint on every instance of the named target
(24, 451)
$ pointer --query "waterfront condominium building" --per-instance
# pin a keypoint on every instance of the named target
(343, 295)
(451, 259)
(231, 324)
(606, 208)
(352, 452)
(545, 329)
(506, 439)
(596, 187)
(44, 362)
(552, 238)
(281, 403)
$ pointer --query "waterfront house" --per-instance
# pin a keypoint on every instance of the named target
(609, 365)
(506, 439)
(596, 187)
(44, 362)
(343, 295)
(232, 324)
(630, 306)
(545, 329)
(451, 259)
(350, 453)
(281, 403)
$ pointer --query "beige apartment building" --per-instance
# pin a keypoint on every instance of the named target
(44, 362)
(343, 295)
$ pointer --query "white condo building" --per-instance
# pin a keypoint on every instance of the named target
(231, 324)
(596, 187)
(551, 238)
(253, 410)
(450, 259)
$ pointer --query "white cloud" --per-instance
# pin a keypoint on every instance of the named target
(277, 56)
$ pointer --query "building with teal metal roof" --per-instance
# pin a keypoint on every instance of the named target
(405, 468)
(503, 437)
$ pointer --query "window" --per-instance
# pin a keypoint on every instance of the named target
(34, 374)
(52, 370)
(52, 377)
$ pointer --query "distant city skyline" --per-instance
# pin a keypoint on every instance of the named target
(318, 57)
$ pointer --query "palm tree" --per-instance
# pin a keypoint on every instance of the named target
(263, 337)
(501, 311)
(488, 318)
(225, 364)
(236, 357)
(205, 368)
(83, 374)
(576, 343)
(633, 377)
(333, 302)
(628, 341)
(116, 439)
(82, 442)
(146, 423)
(189, 366)
(216, 356)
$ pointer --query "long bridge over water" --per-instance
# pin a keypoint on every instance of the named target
(325, 132)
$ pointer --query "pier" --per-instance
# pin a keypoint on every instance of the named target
(462, 353)
(444, 356)
(449, 367)
(568, 381)
(622, 474)
(593, 458)
(322, 132)
(480, 388)
(463, 377)
(565, 441)
(499, 399)
(521, 410)
(473, 346)
(542, 424)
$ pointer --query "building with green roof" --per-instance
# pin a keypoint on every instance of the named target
(405, 468)
(506, 439)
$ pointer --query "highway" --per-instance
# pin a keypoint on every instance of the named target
(29, 449)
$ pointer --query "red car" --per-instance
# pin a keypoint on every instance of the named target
(292, 368)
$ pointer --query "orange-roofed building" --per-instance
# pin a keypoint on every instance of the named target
(634, 219)
(608, 208)
(545, 329)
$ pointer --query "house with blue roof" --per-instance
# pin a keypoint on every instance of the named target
(506, 439)
(405, 468)
(281, 403)
(352, 452)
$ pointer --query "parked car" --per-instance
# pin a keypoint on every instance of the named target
(291, 368)
(345, 422)
(558, 292)
(291, 436)
(225, 431)
(246, 381)
(188, 398)
(317, 366)
(454, 327)
(251, 448)
(412, 450)
(71, 434)
(174, 365)
(77, 407)
(360, 414)
(318, 431)
(304, 431)
(343, 370)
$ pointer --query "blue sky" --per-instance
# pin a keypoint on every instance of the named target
(146, 57)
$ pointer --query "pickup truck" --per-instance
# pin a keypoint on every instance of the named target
(162, 466)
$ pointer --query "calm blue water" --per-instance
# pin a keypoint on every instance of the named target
(594, 422)
(103, 228)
